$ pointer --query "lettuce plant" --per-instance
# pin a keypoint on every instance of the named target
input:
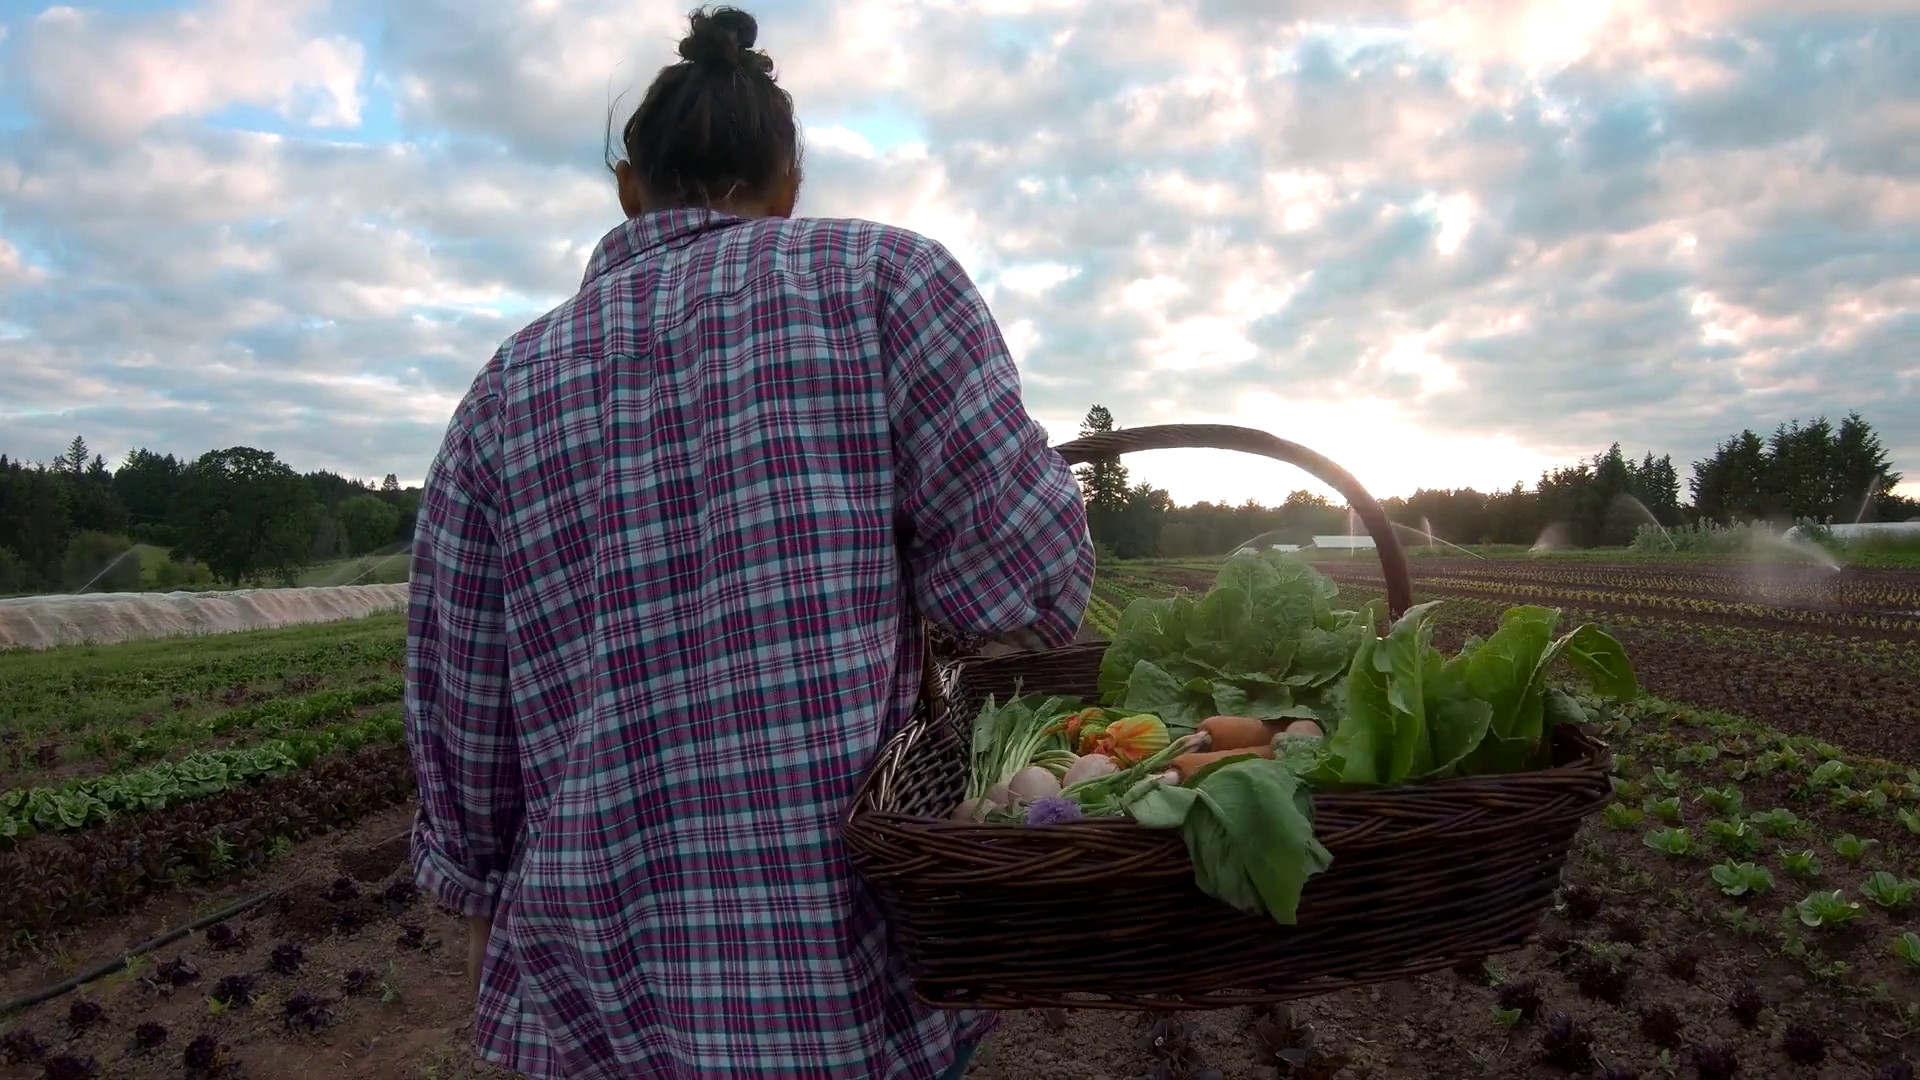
(1667, 809)
(1622, 816)
(1737, 838)
(1907, 947)
(1673, 842)
(1804, 865)
(1724, 800)
(1778, 822)
(1851, 847)
(1742, 879)
(1888, 891)
(1827, 909)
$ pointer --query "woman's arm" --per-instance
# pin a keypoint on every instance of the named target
(996, 540)
(458, 714)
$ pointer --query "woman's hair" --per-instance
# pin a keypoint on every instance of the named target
(715, 127)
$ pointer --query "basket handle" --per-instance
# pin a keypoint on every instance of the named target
(1393, 558)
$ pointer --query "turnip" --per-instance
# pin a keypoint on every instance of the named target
(971, 810)
(1088, 767)
(1033, 782)
(1001, 795)
(1303, 727)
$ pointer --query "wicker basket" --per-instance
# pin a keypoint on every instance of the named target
(1105, 914)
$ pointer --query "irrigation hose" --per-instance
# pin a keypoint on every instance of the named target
(107, 967)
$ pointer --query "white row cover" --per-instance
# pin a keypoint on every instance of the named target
(42, 622)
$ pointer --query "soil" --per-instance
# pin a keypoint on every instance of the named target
(410, 1022)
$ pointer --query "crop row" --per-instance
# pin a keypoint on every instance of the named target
(270, 718)
(73, 690)
(1858, 589)
(1742, 615)
(53, 881)
(82, 803)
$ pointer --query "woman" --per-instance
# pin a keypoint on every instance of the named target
(669, 573)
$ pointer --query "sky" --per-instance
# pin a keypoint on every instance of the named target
(1445, 244)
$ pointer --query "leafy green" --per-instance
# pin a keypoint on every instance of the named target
(1667, 809)
(1727, 800)
(1778, 822)
(1800, 864)
(81, 803)
(1622, 816)
(1670, 841)
(1737, 838)
(1907, 947)
(1412, 714)
(1739, 879)
(1006, 738)
(1265, 641)
(1248, 824)
(1888, 891)
(1827, 909)
(1851, 847)
(1911, 820)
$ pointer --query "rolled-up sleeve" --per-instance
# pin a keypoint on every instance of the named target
(996, 541)
(459, 723)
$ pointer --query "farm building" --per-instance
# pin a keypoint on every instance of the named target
(1343, 543)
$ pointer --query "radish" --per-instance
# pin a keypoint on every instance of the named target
(1087, 768)
(1033, 782)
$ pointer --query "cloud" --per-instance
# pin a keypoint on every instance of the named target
(1443, 243)
(112, 78)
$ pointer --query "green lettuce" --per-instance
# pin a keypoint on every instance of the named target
(1413, 714)
(1265, 641)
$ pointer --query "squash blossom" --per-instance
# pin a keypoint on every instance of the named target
(1131, 740)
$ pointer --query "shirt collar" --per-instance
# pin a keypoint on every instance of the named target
(639, 236)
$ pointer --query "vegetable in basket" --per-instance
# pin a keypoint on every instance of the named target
(1253, 657)
(1412, 714)
(1026, 731)
(1264, 642)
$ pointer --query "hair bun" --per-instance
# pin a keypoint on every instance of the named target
(724, 35)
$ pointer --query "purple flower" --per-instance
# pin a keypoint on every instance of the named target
(1053, 811)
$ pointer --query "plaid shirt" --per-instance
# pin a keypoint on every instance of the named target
(666, 577)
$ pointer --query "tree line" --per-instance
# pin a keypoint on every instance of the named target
(238, 515)
(1804, 471)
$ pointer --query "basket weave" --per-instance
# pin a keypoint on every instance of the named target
(1105, 913)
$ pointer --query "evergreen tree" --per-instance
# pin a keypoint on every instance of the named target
(1103, 484)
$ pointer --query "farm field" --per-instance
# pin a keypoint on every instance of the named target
(1750, 906)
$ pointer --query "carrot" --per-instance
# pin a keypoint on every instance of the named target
(1235, 732)
(1186, 765)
